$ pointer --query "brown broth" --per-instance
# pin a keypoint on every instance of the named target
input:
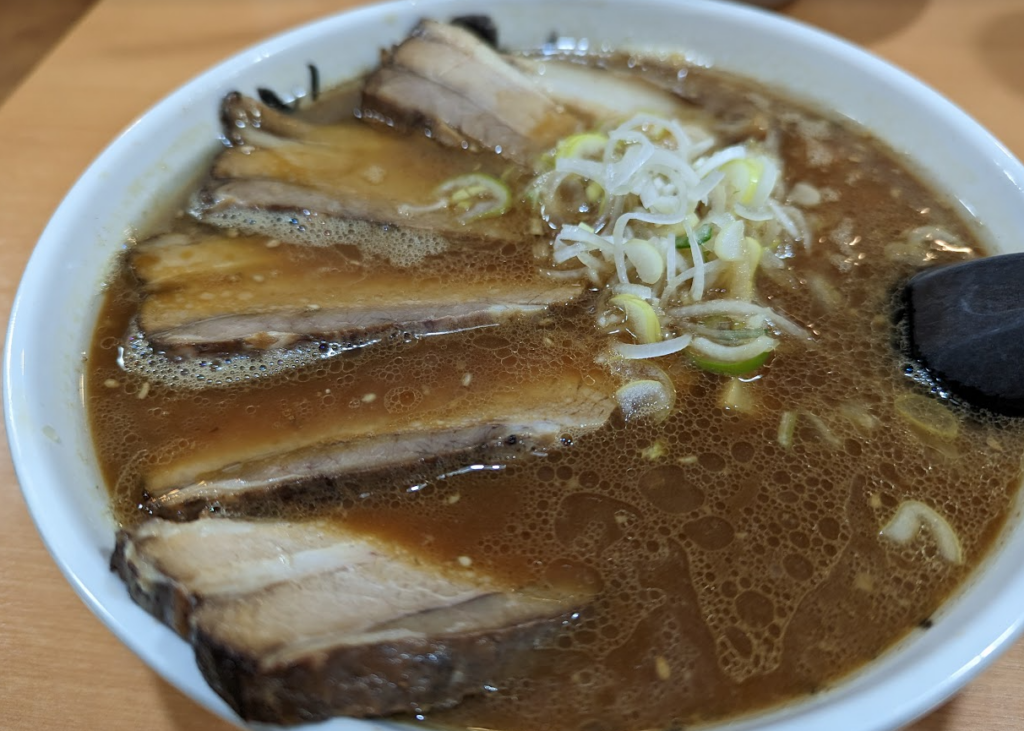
(732, 573)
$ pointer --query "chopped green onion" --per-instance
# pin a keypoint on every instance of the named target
(827, 434)
(744, 174)
(640, 317)
(646, 259)
(724, 368)
(704, 234)
(928, 415)
(737, 336)
(911, 516)
(733, 353)
(787, 426)
(738, 397)
(661, 348)
(727, 330)
(743, 271)
(588, 144)
(476, 196)
(653, 452)
(729, 245)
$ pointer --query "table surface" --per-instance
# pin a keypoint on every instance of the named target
(59, 667)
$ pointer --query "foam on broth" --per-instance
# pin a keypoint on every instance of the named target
(732, 573)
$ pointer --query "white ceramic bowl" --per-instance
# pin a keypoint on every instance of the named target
(46, 423)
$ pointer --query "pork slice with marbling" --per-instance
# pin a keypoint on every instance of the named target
(330, 460)
(299, 621)
(210, 292)
(317, 184)
(445, 80)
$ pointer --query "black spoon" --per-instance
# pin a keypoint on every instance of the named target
(965, 325)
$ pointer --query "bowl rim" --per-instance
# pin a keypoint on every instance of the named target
(923, 685)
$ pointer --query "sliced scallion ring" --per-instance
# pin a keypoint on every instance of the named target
(703, 234)
(744, 174)
(646, 259)
(640, 317)
(586, 145)
(724, 368)
(475, 196)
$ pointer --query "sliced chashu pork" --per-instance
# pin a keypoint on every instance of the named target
(332, 458)
(211, 292)
(295, 622)
(445, 80)
(599, 94)
(347, 182)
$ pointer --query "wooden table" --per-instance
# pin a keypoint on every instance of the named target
(59, 667)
